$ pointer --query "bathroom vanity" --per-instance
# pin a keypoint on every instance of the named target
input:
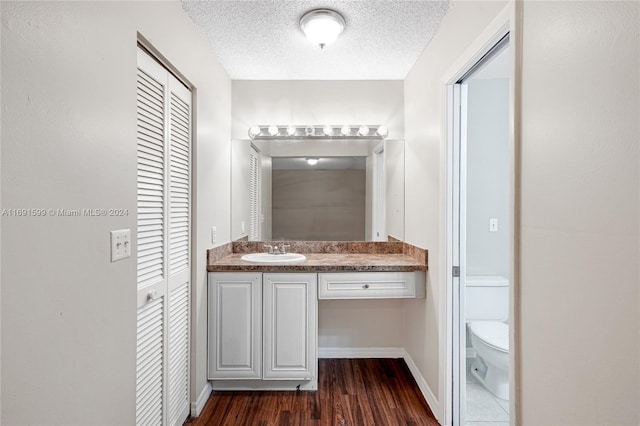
(263, 328)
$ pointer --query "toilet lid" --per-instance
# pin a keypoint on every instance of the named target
(493, 333)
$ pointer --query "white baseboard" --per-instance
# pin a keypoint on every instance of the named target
(432, 401)
(361, 352)
(197, 406)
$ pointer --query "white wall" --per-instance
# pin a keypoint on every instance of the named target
(394, 188)
(69, 141)
(360, 323)
(579, 318)
(580, 213)
(424, 196)
(317, 103)
(488, 177)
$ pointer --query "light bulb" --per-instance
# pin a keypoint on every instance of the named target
(273, 130)
(345, 130)
(291, 130)
(328, 130)
(383, 131)
(254, 131)
(312, 161)
(309, 131)
(363, 130)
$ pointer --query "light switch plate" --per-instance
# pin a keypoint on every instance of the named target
(214, 234)
(493, 225)
(120, 244)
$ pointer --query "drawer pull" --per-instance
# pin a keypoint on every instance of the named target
(365, 286)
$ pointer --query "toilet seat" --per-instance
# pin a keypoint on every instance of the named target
(493, 333)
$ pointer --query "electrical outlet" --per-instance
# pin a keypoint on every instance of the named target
(214, 236)
(493, 225)
(120, 244)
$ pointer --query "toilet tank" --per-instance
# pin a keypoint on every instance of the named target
(487, 298)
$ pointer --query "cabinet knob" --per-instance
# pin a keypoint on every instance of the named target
(152, 295)
(365, 286)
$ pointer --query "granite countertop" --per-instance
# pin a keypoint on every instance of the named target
(327, 257)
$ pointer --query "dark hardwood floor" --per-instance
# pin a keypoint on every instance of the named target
(355, 392)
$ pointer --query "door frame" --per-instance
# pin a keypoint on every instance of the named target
(508, 21)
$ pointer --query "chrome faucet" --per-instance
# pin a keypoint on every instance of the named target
(275, 249)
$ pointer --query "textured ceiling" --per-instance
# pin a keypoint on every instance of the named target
(262, 40)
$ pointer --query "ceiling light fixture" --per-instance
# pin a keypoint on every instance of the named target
(293, 132)
(322, 26)
(312, 161)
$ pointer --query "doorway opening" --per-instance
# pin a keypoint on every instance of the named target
(480, 238)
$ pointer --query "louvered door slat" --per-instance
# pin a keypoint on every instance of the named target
(178, 352)
(179, 185)
(150, 354)
(151, 130)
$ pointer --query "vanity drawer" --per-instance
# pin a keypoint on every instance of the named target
(371, 285)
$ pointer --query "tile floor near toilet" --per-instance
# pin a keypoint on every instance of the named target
(483, 408)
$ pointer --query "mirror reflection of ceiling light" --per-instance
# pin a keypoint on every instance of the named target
(322, 26)
(345, 130)
(328, 130)
(291, 130)
(312, 161)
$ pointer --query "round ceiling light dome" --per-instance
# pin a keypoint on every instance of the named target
(322, 26)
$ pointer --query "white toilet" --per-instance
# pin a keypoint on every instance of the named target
(487, 309)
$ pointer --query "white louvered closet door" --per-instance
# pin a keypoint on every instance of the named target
(163, 235)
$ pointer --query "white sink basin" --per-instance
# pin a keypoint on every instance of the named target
(274, 258)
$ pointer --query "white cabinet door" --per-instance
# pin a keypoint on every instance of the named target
(235, 325)
(289, 347)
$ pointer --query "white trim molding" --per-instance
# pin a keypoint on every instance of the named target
(361, 352)
(428, 394)
(198, 406)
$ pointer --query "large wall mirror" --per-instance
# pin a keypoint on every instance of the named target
(317, 190)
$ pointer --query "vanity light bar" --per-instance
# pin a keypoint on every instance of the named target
(363, 131)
